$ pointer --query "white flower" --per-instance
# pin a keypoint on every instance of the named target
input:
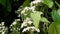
(27, 19)
(14, 23)
(10, 29)
(23, 24)
(35, 2)
(17, 19)
(24, 10)
(3, 32)
(30, 22)
(38, 0)
(2, 23)
(11, 25)
(32, 8)
(26, 22)
(19, 10)
(32, 28)
(3, 27)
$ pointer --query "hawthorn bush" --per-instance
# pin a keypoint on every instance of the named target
(29, 17)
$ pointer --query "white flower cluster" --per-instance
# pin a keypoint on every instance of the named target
(32, 28)
(15, 22)
(31, 8)
(35, 2)
(26, 22)
(2, 28)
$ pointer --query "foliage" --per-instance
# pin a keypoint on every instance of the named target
(35, 17)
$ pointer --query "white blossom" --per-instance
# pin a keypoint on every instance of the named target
(26, 22)
(35, 2)
(3, 28)
(32, 28)
(32, 8)
(11, 25)
(3, 32)
(30, 22)
(11, 29)
(23, 24)
(17, 19)
(19, 10)
(2, 23)
(24, 10)
(14, 23)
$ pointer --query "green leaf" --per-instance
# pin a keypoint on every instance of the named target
(56, 18)
(52, 29)
(49, 3)
(43, 19)
(26, 3)
(36, 18)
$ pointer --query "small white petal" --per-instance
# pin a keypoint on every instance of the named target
(10, 29)
(11, 25)
(17, 19)
(25, 29)
(14, 23)
(32, 8)
(32, 28)
(35, 2)
(3, 32)
(24, 10)
(2, 23)
(23, 24)
(30, 22)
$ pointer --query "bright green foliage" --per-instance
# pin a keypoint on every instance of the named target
(36, 18)
(52, 29)
(56, 16)
(49, 3)
(45, 7)
(43, 19)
